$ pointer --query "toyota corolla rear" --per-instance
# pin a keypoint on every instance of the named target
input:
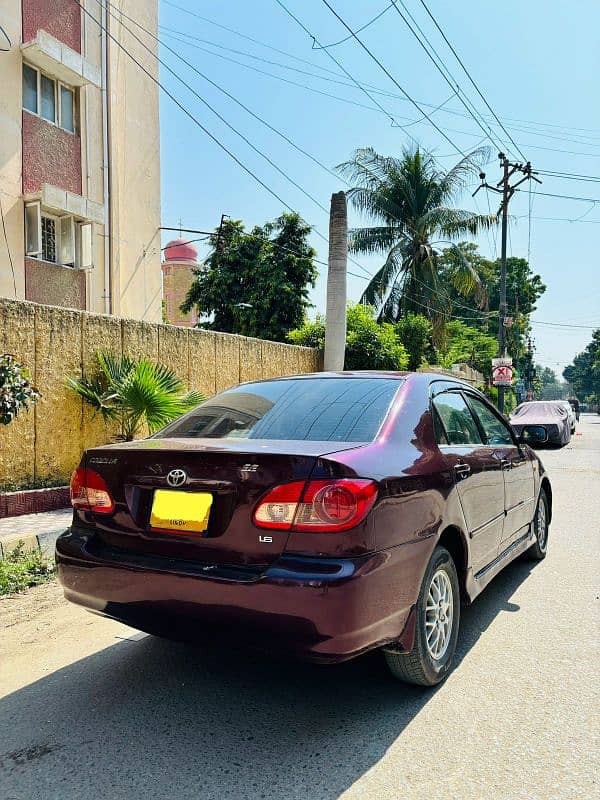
(242, 522)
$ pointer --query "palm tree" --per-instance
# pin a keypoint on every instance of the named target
(134, 392)
(412, 199)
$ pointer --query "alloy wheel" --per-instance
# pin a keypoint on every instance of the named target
(439, 613)
(541, 528)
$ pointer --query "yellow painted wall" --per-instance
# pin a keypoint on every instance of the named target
(45, 444)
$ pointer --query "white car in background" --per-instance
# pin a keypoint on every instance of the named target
(570, 411)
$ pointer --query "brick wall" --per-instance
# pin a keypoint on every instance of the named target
(50, 155)
(57, 343)
(61, 18)
(54, 284)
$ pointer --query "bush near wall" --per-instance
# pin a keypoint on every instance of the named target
(46, 442)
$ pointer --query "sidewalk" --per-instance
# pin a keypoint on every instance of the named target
(36, 531)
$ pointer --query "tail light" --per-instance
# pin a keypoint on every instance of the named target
(89, 492)
(319, 506)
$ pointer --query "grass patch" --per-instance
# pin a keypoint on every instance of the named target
(20, 569)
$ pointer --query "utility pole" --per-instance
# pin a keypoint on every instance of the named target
(507, 190)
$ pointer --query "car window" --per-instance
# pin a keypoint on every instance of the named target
(457, 419)
(297, 409)
(496, 432)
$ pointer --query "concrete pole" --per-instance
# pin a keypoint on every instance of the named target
(335, 330)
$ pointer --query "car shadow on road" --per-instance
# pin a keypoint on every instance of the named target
(146, 718)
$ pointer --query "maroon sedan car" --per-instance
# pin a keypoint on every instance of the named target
(319, 516)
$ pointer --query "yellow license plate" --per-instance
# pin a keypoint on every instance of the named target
(180, 511)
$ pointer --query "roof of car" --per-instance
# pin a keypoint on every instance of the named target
(426, 377)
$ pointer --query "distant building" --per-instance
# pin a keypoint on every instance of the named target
(79, 158)
(180, 259)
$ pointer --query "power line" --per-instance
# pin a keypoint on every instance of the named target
(205, 102)
(362, 28)
(567, 197)
(348, 74)
(468, 74)
(191, 116)
(562, 325)
(389, 115)
(570, 176)
(442, 69)
(12, 266)
(232, 97)
(391, 77)
(268, 46)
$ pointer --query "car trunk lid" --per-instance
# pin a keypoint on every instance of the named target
(236, 474)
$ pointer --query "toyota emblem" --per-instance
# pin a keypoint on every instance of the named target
(176, 477)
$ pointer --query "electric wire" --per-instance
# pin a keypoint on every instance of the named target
(359, 30)
(349, 75)
(231, 97)
(214, 138)
(390, 76)
(12, 266)
(441, 67)
(393, 117)
(268, 46)
(468, 74)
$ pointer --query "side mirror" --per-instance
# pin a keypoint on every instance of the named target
(533, 434)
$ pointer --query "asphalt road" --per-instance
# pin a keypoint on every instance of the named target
(89, 709)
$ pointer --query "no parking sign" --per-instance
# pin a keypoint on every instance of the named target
(502, 374)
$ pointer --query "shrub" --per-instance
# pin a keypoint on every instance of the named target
(369, 344)
(20, 569)
(134, 393)
(415, 332)
(16, 392)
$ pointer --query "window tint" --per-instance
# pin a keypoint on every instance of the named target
(29, 89)
(496, 432)
(299, 409)
(48, 110)
(457, 419)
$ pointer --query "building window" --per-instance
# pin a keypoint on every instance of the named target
(30, 93)
(61, 240)
(49, 252)
(47, 97)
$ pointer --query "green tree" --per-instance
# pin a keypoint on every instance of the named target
(584, 373)
(256, 284)
(134, 393)
(523, 290)
(415, 333)
(411, 203)
(369, 344)
(467, 345)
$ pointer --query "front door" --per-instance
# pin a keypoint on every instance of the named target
(478, 475)
(517, 469)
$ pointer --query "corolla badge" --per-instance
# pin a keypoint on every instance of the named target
(177, 477)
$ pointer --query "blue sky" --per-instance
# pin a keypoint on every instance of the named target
(546, 94)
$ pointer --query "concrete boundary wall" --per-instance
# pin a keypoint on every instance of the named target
(45, 444)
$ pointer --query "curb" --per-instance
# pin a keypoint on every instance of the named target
(44, 542)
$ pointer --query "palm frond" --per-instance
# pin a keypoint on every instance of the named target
(373, 240)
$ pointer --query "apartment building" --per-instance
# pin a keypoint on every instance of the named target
(79, 157)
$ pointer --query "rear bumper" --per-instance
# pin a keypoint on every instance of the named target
(318, 609)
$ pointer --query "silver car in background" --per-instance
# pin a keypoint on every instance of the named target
(570, 411)
(547, 414)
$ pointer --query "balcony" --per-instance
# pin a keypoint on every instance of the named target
(60, 61)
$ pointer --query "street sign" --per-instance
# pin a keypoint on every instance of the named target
(502, 374)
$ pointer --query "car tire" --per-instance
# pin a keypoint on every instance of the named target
(421, 666)
(538, 550)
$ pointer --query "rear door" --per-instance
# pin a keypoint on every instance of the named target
(517, 469)
(477, 473)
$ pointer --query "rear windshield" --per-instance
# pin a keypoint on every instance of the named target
(298, 409)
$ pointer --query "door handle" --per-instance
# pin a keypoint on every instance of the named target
(462, 470)
(506, 463)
